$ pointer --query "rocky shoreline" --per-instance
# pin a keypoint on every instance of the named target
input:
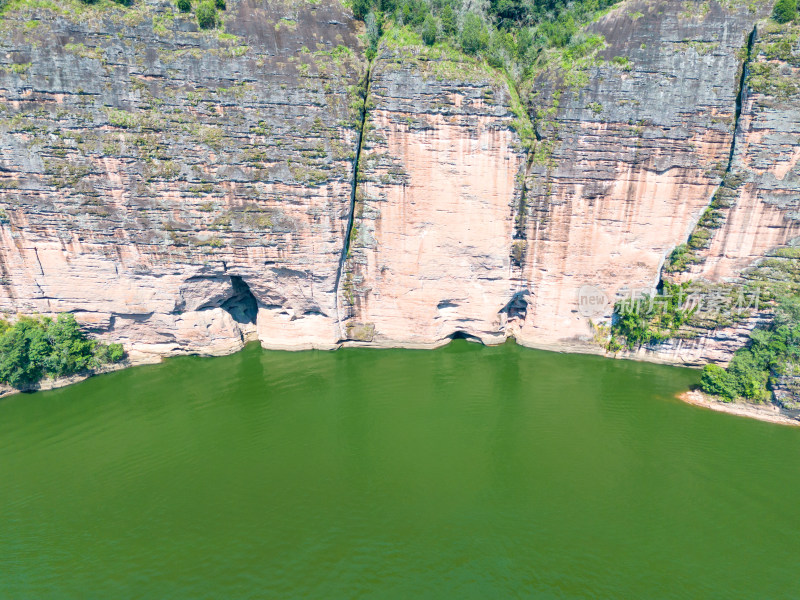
(52, 383)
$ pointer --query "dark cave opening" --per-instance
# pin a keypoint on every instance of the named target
(462, 335)
(242, 305)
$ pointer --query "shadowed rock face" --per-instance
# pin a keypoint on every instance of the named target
(181, 191)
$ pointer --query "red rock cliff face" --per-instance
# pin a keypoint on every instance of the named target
(637, 153)
(437, 181)
(181, 191)
(763, 211)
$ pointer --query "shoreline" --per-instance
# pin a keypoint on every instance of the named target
(53, 383)
(767, 413)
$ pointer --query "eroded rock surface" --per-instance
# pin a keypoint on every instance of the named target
(438, 179)
(630, 159)
(153, 175)
(763, 210)
(182, 191)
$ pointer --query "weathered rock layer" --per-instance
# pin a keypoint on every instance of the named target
(182, 191)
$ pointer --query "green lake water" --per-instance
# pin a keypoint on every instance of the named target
(464, 472)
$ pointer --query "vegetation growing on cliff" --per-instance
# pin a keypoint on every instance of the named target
(508, 34)
(35, 347)
(785, 11)
(713, 218)
(207, 15)
(650, 319)
(770, 361)
(772, 352)
(520, 40)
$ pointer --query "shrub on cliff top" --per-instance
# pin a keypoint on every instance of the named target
(361, 8)
(34, 347)
(373, 33)
(510, 35)
(785, 11)
(207, 15)
(449, 21)
(184, 5)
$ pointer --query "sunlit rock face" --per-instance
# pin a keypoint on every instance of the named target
(638, 152)
(183, 191)
(145, 164)
(438, 180)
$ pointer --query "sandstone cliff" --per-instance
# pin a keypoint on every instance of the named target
(178, 189)
(183, 190)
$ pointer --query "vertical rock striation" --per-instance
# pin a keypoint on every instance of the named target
(630, 157)
(147, 167)
(183, 190)
(429, 252)
(761, 210)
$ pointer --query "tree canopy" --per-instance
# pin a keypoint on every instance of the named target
(32, 348)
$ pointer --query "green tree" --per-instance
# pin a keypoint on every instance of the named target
(70, 351)
(719, 382)
(220, 4)
(22, 350)
(430, 30)
(749, 372)
(524, 43)
(373, 27)
(387, 6)
(112, 353)
(474, 35)
(509, 12)
(785, 11)
(115, 352)
(34, 347)
(413, 12)
(207, 15)
(184, 5)
(449, 21)
(501, 47)
(361, 8)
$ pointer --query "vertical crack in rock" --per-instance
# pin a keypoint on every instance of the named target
(520, 224)
(365, 85)
(522, 209)
(741, 97)
(742, 93)
(516, 309)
